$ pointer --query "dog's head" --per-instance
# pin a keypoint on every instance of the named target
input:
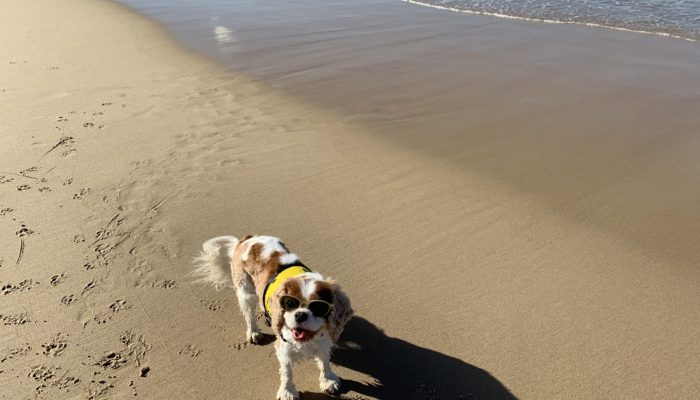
(307, 306)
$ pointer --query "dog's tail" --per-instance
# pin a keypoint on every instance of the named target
(213, 265)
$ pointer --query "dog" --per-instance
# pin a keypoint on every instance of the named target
(306, 311)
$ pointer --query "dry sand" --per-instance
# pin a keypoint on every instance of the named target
(121, 152)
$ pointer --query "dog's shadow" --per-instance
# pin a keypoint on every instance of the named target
(402, 370)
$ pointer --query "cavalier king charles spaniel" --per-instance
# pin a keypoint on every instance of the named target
(306, 311)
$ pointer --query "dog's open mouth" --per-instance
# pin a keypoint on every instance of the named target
(301, 335)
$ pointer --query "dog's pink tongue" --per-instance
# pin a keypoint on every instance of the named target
(301, 334)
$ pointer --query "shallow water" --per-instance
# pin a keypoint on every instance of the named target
(678, 18)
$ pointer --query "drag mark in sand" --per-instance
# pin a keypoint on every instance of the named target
(21, 252)
(34, 319)
(64, 141)
(3, 179)
(22, 233)
(103, 233)
(155, 208)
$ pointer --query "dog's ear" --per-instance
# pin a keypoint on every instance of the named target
(276, 314)
(341, 314)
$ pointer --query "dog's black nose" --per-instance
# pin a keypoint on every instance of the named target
(300, 316)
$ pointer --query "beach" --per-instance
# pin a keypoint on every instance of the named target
(512, 207)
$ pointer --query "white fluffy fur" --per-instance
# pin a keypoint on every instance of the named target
(213, 265)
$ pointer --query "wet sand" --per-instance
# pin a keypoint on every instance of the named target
(512, 207)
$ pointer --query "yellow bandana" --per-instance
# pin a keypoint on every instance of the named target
(275, 283)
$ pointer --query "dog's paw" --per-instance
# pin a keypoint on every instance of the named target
(287, 394)
(330, 385)
(254, 337)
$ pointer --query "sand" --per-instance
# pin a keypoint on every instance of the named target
(555, 264)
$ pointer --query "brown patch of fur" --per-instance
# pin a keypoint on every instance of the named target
(324, 291)
(256, 268)
(342, 309)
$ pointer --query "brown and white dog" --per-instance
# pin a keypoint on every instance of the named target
(307, 312)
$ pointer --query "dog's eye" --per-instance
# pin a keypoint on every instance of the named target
(319, 308)
(289, 303)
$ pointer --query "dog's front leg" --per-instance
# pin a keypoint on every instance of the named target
(287, 391)
(247, 299)
(328, 380)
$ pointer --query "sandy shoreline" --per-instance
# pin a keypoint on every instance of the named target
(585, 120)
(122, 152)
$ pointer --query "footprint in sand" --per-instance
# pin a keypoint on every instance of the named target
(114, 308)
(113, 360)
(66, 383)
(56, 346)
(26, 284)
(24, 231)
(98, 389)
(164, 284)
(68, 300)
(136, 346)
(6, 211)
(56, 279)
(119, 305)
(15, 319)
(240, 345)
(214, 305)
(83, 192)
(49, 375)
(88, 287)
(229, 163)
(27, 171)
(6, 179)
(79, 238)
(190, 351)
(43, 373)
(88, 266)
(22, 188)
(16, 352)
